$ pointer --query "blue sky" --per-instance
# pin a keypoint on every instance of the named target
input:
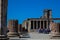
(23, 9)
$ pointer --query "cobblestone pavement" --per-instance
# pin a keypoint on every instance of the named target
(35, 36)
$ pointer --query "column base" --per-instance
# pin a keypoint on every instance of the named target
(3, 37)
(12, 34)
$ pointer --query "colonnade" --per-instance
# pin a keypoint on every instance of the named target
(40, 24)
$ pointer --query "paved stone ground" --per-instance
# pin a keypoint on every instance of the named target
(35, 36)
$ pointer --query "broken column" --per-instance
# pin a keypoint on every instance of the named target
(13, 28)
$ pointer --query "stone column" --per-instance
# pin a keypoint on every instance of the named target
(13, 28)
(3, 19)
(25, 25)
(47, 24)
(29, 26)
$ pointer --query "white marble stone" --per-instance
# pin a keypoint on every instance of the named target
(35, 36)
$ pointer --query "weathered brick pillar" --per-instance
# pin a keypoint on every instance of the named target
(3, 19)
(55, 30)
(13, 28)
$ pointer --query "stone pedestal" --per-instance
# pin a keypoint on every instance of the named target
(12, 34)
(13, 28)
(3, 37)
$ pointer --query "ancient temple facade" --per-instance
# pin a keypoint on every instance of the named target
(32, 24)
